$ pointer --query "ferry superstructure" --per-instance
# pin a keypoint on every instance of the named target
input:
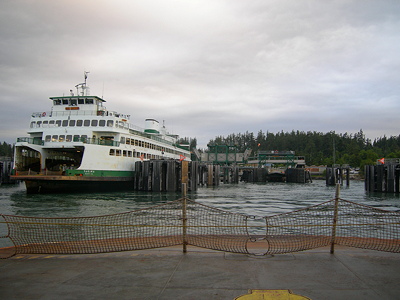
(81, 145)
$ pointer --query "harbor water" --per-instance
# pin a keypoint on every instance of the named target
(259, 200)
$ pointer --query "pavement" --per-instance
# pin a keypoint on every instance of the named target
(168, 273)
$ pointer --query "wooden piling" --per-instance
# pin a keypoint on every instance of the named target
(335, 218)
(384, 178)
(184, 217)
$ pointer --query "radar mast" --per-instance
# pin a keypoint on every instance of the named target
(81, 88)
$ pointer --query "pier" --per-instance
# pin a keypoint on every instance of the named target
(168, 175)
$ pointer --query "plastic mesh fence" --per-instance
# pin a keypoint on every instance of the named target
(366, 227)
(207, 227)
(299, 230)
(158, 226)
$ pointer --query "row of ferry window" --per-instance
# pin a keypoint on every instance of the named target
(127, 153)
(83, 138)
(143, 144)
(72, 102)
(79, 123)
(65, 138)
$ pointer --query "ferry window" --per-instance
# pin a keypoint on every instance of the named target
(68, 138)
(128, 141)
(86, 123)
(65, 123)
(94, 122)
(65, 101)
(51, 122)
(110, 123)
(72, 102)
(79, 123)
(118, 152)
(129, 153)
(84, 138)
(57, 102)
(33, 124)
(61, 138)
(112, 152)
(124, 153)
(54, 138)
(71, 122)
(122, 140)
(58, 123)
(102, 123)
(39, 123)
(89, 101)
(48, 138)
(76, 138)
(45, 122)
(81, 101)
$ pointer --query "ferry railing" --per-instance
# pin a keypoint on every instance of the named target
(30, 140)
(95, 141)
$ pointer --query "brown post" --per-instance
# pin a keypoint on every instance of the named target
(184, 217)
(184, 172)
(335, 217)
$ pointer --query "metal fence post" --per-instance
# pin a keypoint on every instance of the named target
(184, 217)
(335, 217)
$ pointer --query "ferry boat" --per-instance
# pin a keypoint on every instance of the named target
(79, 145)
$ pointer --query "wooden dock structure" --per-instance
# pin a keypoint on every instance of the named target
(337, 174)
(383, 177)
(169, 175)
(6, 167)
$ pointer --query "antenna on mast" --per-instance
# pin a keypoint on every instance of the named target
(83, 86)
(85, 74)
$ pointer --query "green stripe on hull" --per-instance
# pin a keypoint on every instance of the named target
(99, 173)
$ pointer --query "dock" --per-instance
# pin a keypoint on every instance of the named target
(167, 273)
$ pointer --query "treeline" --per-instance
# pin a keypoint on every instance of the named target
(317, 147)
(6, 149)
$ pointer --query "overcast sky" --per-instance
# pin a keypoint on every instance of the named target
(208, 67)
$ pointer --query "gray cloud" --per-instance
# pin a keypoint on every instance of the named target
(208, 67)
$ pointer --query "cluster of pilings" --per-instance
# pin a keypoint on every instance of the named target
(254, 174)
(165, 175)
(298, 175)
(169, 175)
(212, 175)
(293, 175)
(335, 175)
(382, 178)
(6, 167)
